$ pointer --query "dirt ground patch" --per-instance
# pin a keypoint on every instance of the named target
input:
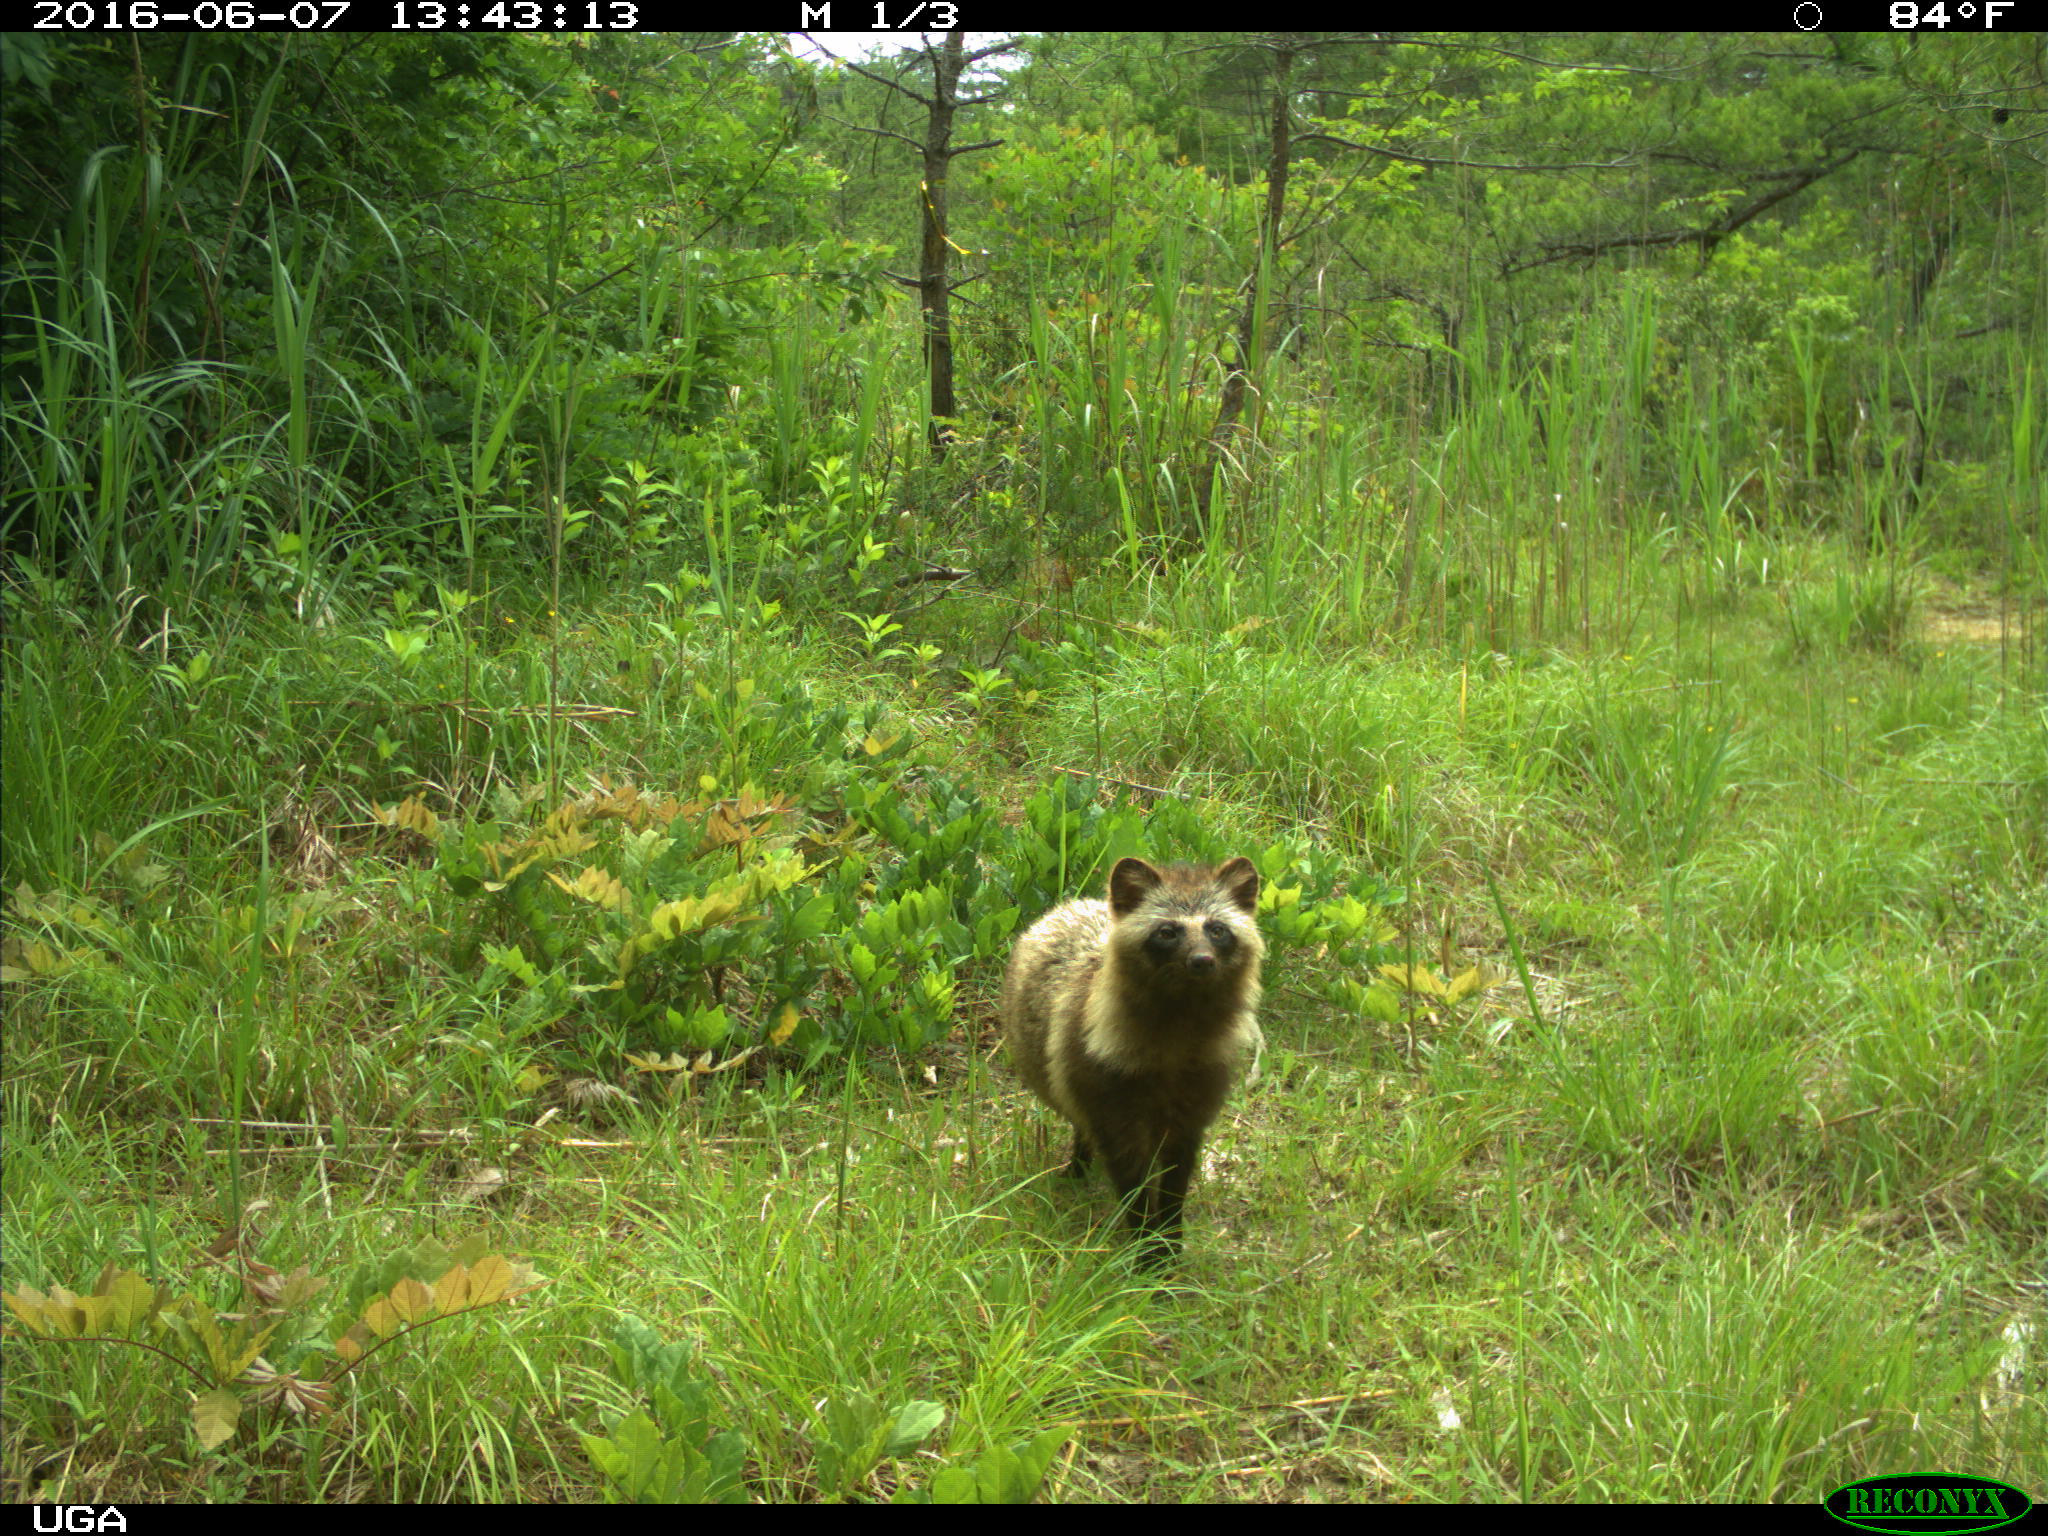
(1951, 614)
(1986, 628)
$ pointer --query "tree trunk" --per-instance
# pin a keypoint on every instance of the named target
(934, 294)
(1237, 383)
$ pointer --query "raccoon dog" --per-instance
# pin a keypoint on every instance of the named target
(1128, 1017)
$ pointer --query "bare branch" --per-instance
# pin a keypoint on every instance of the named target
(991, 50)
(894, 85)
(882, 133)
(1706, 236)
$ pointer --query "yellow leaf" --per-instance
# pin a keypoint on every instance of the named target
(565, 844)
(98, 1314)
(246, 1355)
(451, 1291)
(785, 1024)
(413, 815)
(130, 1300)
(673, 919)
(213, 1416)
(721, 831)
(27, 1305)
(352, 1345)
(597, 886)
(411, 1300)
(45, 961)
(1414, 978)
(496, 855)
(489, 1279)
(381, 1318)
(207, 1329)
(1477, 979)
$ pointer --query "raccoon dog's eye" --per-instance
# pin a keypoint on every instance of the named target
(1220, 934)
(1166, 933)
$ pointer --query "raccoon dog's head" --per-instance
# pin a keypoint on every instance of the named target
(1185, 921)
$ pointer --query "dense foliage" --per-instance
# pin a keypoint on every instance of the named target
(417, 297)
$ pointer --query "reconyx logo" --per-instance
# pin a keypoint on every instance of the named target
(1928, 1502)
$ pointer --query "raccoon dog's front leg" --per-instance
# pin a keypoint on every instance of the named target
(1155, 1191)
(1082, 1158)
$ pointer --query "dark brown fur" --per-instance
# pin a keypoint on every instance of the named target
(1128, 1017)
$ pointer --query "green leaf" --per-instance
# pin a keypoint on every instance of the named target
(915, 1422)
(1002, 1474)
(955, 1485)
(810, 920)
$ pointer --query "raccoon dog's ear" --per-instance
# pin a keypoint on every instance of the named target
(1130, 883)
(1240, 883)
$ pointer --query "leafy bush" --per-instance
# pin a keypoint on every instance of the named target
(282, 1347)
(714, 928)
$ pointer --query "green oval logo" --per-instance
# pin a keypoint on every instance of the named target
(1930, 1502)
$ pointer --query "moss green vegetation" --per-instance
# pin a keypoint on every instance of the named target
(519, 785)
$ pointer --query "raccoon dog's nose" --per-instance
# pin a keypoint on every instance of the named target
(1201, 960)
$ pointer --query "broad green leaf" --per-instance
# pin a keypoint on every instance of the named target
(914, 1424)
